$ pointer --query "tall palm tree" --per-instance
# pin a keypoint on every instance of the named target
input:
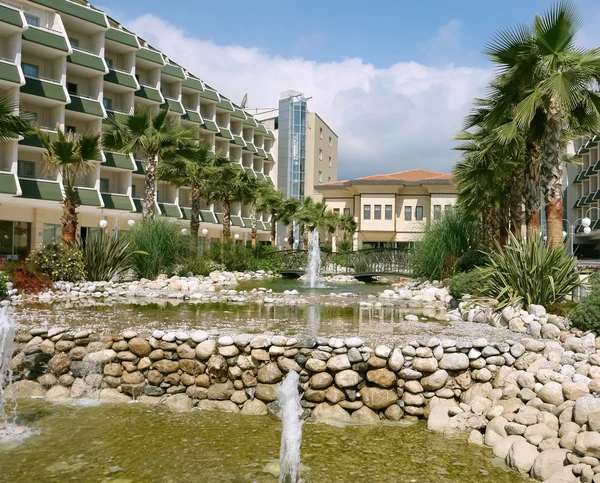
(11, 125)
(155, 137)
(347, 226)
(310, 216)
(262, 196)
(270, 201)
(73, 155)
(562, 82)
(290, 211)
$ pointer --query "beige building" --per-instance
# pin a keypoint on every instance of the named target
(68, 65)
(321, 155)
(391, 208)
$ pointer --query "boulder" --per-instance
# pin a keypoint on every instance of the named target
(102, 356)
(396, 360)
(588, 444)
(205, 349)
(347, 378)
(495, 431)
(425, 364)
(269, 373)
(327, 413)
(221, 391)
(435, 381)
(382, 377)
(502, 447)
(376, 398)
(321, 380)
(456, 361)
(179, 403)
(254, 407)
(552, 393)
(266, 392)
(439, 418)
(365, 415)
(223, 406)
(339, 363)
(25, 388)
(521, 456)
(58, 393)
(583, 407)
(548, 462)
(113, 396)
(140, 347)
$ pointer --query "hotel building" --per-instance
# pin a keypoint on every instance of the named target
(66, 64)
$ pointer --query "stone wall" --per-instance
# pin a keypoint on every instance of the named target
(533, 401)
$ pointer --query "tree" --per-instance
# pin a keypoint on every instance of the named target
(310, 216)
(262, 199)
(73, 155)
(560, 79)
(270, 201)
(290, 211)
(155, 137)
(348, 226)
(11, 125)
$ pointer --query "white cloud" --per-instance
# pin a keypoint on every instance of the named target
(389, 119)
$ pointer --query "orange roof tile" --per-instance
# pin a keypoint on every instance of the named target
(412, 175)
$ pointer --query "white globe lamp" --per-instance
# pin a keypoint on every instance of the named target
(587, 230)
(205, 231)
(103, 224)
(236, 236)
(586, 222)
(564, 235)
(131, 223)
(184, 230)
(285, 239)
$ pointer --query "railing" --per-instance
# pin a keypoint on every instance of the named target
(42, 78)
(48, 29)
(86, 51)
(6, 60)
(150, 86)
(118, 69)
(83, 96)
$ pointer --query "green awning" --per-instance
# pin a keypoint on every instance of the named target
(119, 160)
(139, 168)
(174, 106)
(11, 16)
(193, 83)
(208, 216)
(79, 11)
(239, 114)
(210, 125)
(150, 55)
(8, 182)
(169, 209)
(250, 172)
(247, 222)
(591, 143)
(270, 157)
(589, 198)
(261, 129)
(261, 176)
(225, 104)
(589, 171)
(239, 141)
(582, 150)
(32, 140)
(88, 60)
(186, 212)
(261, 152)
(251, 122)
(267, 225)
(173, 71)
(137, 204)
(192, 116)
(46, 38)
(37, 189)
(122, 37)
(225, 133)
(260, 225)
(114, 201)
(577, 179)
(270, 134)
(9, 72)
(237, 221)
(250, 147)
(149, 93)
(89, 197)
(40, 88)
(121, 78)
(220, 217)
(85, 106)
(210, 94)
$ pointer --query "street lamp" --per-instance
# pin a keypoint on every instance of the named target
(184, 231)
(205, 231)
(236, 236)
(103, 224)
(131, 223)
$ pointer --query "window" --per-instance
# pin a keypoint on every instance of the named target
(329, 141)
(109, 62)
(30, 116)
(320, 155)
(133, 191)
(74, 42)
(388, 212)
(330, 161)
(378, 212)
(346, 211)
(320, 176)
(408, 213)
(70, 129)
(321, 132)
(107, 102)
(104, 185)
(26, 169)
(52, 233)
(32, 20)
(437, 212)
(71, 88)
(30, 70)
(336, 211)
(367, 212)
(419, 213)
(447, 208)
(329, 179)
(276, 123)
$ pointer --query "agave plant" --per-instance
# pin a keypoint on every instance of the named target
(106, 256)
(531, 271)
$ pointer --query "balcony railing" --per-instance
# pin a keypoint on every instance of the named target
(85, 51)
(42, 78)
(118, 69)
(47, 29)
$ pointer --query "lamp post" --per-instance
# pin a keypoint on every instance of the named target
(130, 223)
(204, 234)
(103, 224)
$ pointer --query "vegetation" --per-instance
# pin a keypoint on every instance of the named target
(444, 243)
(107, 256)
(58, 261)
(158, 246)
(470, 260)
(466, 283)
(586, 316)
(25, 279)
(11, 125)
(3, 284)
(529, 270)
(73, 155)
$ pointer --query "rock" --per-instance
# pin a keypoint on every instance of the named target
(58, 393)
(25, 388)
(425, 364)
(521, 456)
(537, 310)
(223, 406)
(365, 415)
(376, 398)
(140, 347)
(327, 413)
(495, 431)
(269, 374)
(179, 403)
(206, 349)
(113, 396)
(338, 363)
(321, 380)
(266, 392)
(438, 417)
(396, 360)
(316, 365)
(575, 390)
(454, 362)
(102, 357)
(588, 444)
(394, 413)
(221, 391)
(347, 378)
(583, 407)
(517, 325)
(254, 407)
(552, 393)
(382, 377)
(166, 367)
(435, 381)
(59, 364)
(539, 432)
(502, 447)
(475, 437)
(548, 462)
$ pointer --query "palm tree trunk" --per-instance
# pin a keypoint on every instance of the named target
(553, 175)
(149, 207)
(305, 236)
(273, 229)
(195, 221)
(533, 198)
(69, 220)
(253, 226)
(291, 236)
(226, 220)
(516, 204)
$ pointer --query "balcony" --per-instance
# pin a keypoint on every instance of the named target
(115, 201)
(45, 37)
(173, 71)
(33, 141)
(78, 11)
(173, 105)
(250, 121)
(122, 37)
(10, 72)
(210, 94)
(250, 173)
(119, 161)
(170, 209)
(225, 134)
(150, 55)
(238, 141)
(114, 114)
(139, 168)
(226, 105)
(250, 147)
(261, 153)
(85, 105)
(239, 114)
(8, 183)
(193, 116)
(121, 78)
(89, 197)
(37, 189)
(11, 18)
(149, 93)
(207, 216)
(45, 88)
(193, 83)
(210, 125)
(87, 60)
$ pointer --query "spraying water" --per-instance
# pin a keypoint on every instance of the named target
(8, 409)
(314, 261)
(291, 437)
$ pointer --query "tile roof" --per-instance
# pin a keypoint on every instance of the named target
(412, 176)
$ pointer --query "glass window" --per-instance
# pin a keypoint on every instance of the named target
(437, 212)
(408, 213)
(388, 212)
(30, 70)
(320, 176)
(367, 212)
(378, 212)
(133, 191)
(447, 208)
(336, 211)
(21, 239)
(32, 20)
(52, 233)
(107, 101)
(346, 211)
(74, 42)
(419, 213)
(6, 239)
(70, 129)
(26, 169)
(329, 141)
(276, 123)
(104, 185)
(321, 132)
(109, 62)
(320, 155)
(71, 88)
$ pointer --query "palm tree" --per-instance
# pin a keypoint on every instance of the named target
(262, 198)
(310, 216)
(73, 155)
(290, 211)
(348, 226)
(560, 79)
(11, 125)
(155, 137)
(271, 201)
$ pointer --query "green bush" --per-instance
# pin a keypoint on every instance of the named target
(531, 271)
(58, 262)
(199, 266)
(586, 316)
(471, 260)
(562, 308)
(3, 282)
(106, 256)
(594, 280)
(445, 241)
(466, 283)
(158, 246)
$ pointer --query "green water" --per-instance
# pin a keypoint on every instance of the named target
(136, 443)
(281, 284)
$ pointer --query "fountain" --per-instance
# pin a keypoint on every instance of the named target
(314, 261)
(8, 414)
(291, 436)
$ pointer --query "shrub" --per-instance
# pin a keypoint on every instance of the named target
(3, 282)
(28, 281)
(562, 308)
(445, 241)
(471, 260)
(106, 256)
(586, 316)
(531, 271)
(466, 283)
(158, 247)
(58, 261)
(594, 280)
(200, 266)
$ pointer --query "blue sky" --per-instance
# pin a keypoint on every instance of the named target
(394, 79)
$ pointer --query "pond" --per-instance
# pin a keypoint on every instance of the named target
(137, 444)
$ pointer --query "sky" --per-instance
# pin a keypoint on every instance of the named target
(392, 78)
